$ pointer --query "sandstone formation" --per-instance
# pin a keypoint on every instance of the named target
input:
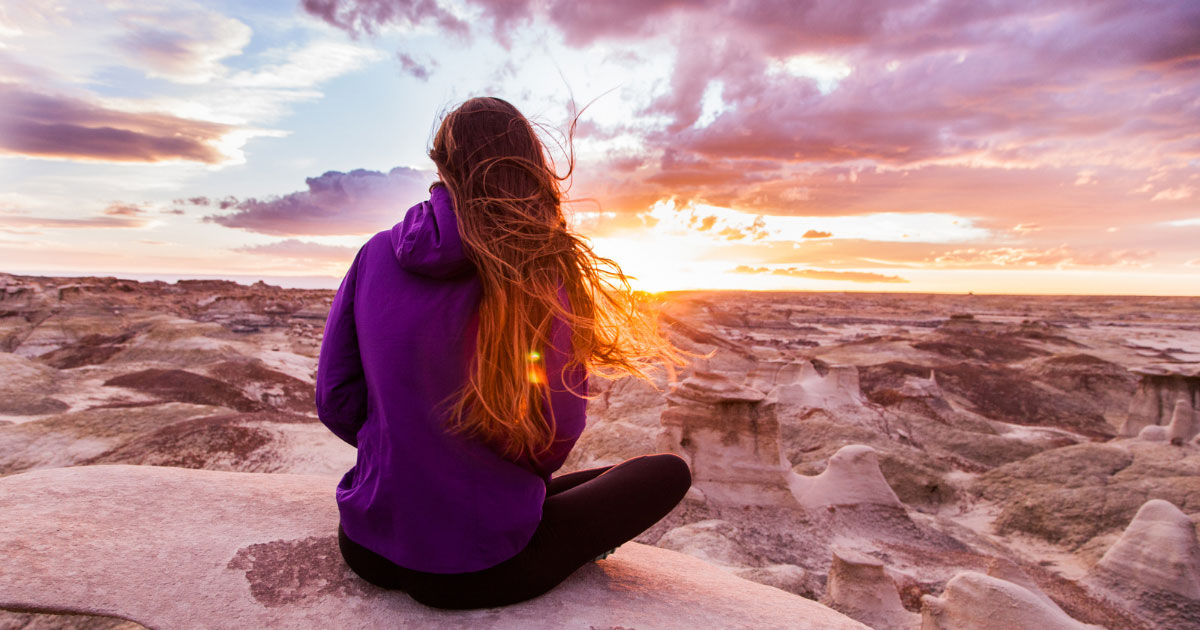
(177, 548)
(28, 388)
(859, 587)
(975, 601)
(176, 434)
(1008, 571)
(729, 435)
(1153, 433)
(805, 384)
(1105, 386)
(1153, 569)
(1160, 389)
(44, 621)
(711, 540)
(1183, 424)
(1158, 552)
(1069, 495)
(786, 577)
(989, 431)
(851, 478)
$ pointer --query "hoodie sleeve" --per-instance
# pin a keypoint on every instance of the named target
(570, 410)
(341, 387)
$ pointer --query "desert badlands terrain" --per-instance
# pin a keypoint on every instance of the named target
(889, 461)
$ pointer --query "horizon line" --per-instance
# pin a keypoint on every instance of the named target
(317, 282)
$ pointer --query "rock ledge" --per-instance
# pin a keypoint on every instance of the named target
(178, 548)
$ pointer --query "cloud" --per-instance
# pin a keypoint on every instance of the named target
(286, 71)
(412, 67)
(811, 86)
(124, 210)
(199, 200)
(370, 16)
(24, 222)
(83, 80)
(1060, 256)
(821, 274)
(1172, 194)
(47, 125)
(184, 46)
(816, 234)
(358, 202)
(301, 250)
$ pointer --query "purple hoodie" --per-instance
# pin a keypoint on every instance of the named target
(399, 339)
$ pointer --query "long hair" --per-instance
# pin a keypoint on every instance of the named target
(508, 202)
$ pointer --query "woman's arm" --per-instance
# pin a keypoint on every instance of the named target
(341, 387)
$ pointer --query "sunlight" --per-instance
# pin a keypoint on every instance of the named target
(826, 71)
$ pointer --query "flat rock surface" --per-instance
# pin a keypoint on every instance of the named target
(178, 548)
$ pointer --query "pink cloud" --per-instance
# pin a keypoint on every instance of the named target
(24, 222)
(181, 45)
(821, 274)
(816, 234)
(1062, 255)
(302, 250)
(124, 210)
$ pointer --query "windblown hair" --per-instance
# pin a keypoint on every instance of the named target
(508, 202)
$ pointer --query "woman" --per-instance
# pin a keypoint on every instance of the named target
(456, 359)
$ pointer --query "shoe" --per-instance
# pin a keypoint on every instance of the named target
(605, 554)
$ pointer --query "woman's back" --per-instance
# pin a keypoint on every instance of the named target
(399, 340)
(445, 362)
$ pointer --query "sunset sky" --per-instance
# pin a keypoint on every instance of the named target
(1039, 146)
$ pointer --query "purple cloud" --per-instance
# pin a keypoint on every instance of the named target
(367, 16)
(414, 68)
(45, 125)
(358, 202)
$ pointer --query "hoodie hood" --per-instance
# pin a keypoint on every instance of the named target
(427, 242)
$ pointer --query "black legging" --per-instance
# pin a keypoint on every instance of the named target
(585, 514)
